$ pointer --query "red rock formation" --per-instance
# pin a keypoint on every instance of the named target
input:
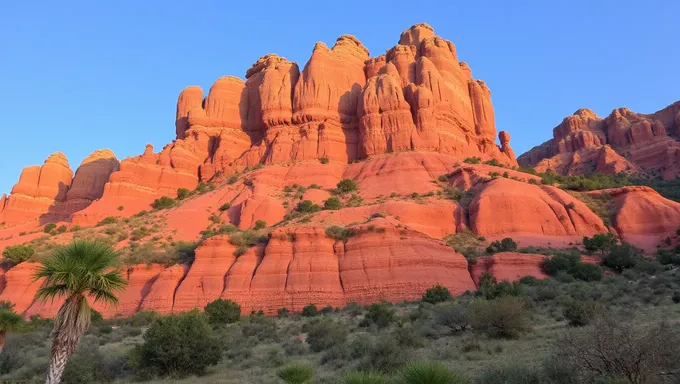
(509, 266)
(20, 289)
(622, 142)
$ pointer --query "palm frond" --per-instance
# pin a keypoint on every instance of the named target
(51, 292)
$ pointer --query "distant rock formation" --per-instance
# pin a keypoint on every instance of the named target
(624, 141)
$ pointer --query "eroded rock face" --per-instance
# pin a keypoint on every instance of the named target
(624, 141)
(509, 266)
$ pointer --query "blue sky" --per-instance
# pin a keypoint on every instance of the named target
(81, 75)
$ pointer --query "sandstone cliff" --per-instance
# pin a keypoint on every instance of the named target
(624, 141)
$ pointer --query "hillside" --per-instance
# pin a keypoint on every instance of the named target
(310, 187)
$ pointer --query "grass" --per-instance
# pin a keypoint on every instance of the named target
(603, 205)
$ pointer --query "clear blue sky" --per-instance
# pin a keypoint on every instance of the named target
(76, 76)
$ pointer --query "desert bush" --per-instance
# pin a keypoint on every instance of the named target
(107, 220)
(572, 265)
(310, 310)
(224, 207)
(87, 364)
(504, 317)
(260, 224)
(472, 160)
(295, 373)
(18, 253)
(586, 271)
(452, 193)
(510, 374)
(490, 288)
(183, 193)
(383, 355)
(307, 206)
(333, 203)
(619, 350)
(49, 227)
(247, 238)
(325, 334)
(380, 314)
(601, 242)
(323, 160)
(163, 202)
(622, 256)
(347, 185)
(222, 311)
(177, 345)
(579, 312)
(436, 294)
(455, 316)
(430, 372)
(359, 377)
(505, 245)
(340, 233)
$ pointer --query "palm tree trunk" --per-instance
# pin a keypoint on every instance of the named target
(3, 333)
(60, 357)
(70, 325)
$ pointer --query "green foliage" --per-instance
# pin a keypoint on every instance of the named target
(452, 193)
(586, 272)
(359, 377)
(183, 193)
(347, 185)
(505, 245)
(333, 203)
(310, 310)
(578, 312)
(202, 188)
(493, 162)
(668, 256)
(18, 253)
(602, 242)
(75, 228)
(504, 317)
(164, 202)
(455, 316)
(222, 311)
(295, 373)
(49, 227)
(232, 179)
(177, 345)
(107, 220)
(622, 256)
(436, 294)
(325, 334)
(323, 160)
(472, 160)
(260, 224)
(380, 314)
(430, 372)
(491, 289)
(225, 229)
(87, 365)
(307, 206)
(340, 233)
(60, 229)
(443, 178)
(572, 265)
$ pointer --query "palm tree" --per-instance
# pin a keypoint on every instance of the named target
(76, 271)
(9, 320)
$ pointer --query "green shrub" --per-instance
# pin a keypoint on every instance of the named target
(224, 207)
(452, 193)
(282, 312)
(333, 203)
(295, 373)
(668, 257)
(384, 355)
(472, 160)
(491, 289)
(380, 314)
(455, 316)
(222, 311)
(310, 310)
(307, 206)
(572, 265)
(430, 372)
(505, 245)
(443, 178)
(347, 185)
(504, 317)
(622, 257)
(586, 271)
(579, 313)
(247, 238)
(75, 228)
(325, 334)
(676, 297)
(61, 229)
(323, 160)
(49, 227)
(232, 179)
(359, 377)
(87, 364)
(436, 294)
(183, 193)
(202, 188)
(602, 242)
(260, 224)
(340, 233)
(163, 202)
(18, 253)
(178, 345)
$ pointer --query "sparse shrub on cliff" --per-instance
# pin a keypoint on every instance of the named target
(355, 200)
(221, 230)
(452, 193)
(202, 188)
(307, 206)
(248, 238)
(260, 224)
(222, 311)
(347, 185)
(18, 253)
(232, 179)
(224, 207)
(436, 294)
(60, 229)
(323, 160)
(75, 228)
(504, 317)
(340, 233)
(601, 242)
(622, 256)
(177, 345)
(183, 193)
(163, 202)
(332, 203)
(49, 227)
(310, 310)
(443, 178)
(505, 245)
(240, 251)
(493, 162)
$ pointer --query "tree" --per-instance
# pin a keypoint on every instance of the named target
(431, 372)
(622, 257)
(163, 202)
(183, 193)
(222, 311)
(310, 310)
(436, 294)
(178, 345)
(333, 203)
(295, 373)
(579, 313)
(75, 272)
(453, 315)
(505, 317)
(347, 185)
(601, 242)
(9, 321)
(18, 253)
(615, 349)
(260, 224)
(380, 314)
(505, 245)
